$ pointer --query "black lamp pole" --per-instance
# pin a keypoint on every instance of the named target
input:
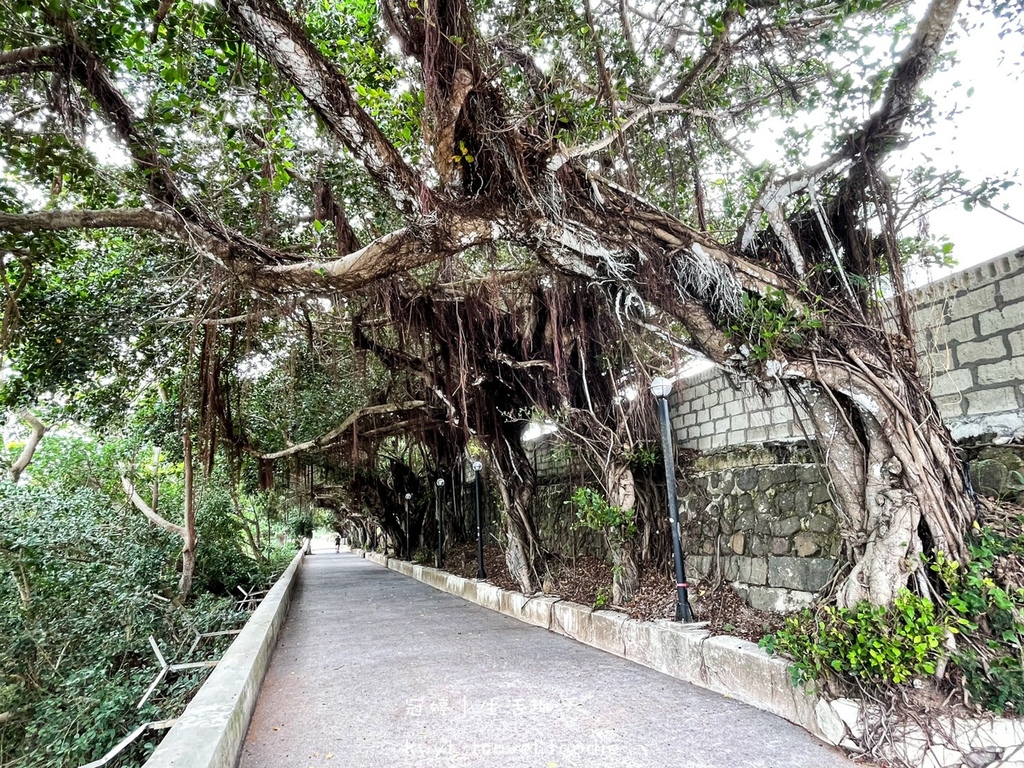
(477, 466)
(408, 530)
(440, 524)
(661, 388)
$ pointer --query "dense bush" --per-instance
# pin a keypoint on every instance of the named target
(982, 611)
(83, 583)
(868, 643)
(989, 594)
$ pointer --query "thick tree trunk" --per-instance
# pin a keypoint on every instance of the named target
(894, 476)
(188, 551)
(517, 483)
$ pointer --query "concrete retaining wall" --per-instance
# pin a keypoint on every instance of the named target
(211, 730)
(729, 666)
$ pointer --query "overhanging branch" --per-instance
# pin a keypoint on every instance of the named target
(329, 438)
(128, 218)
(270, 30)
(147, 510)
(395, 252)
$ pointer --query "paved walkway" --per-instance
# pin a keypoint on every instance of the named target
(376, 670)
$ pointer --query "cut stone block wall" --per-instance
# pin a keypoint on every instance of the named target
(971, 341)
(712, 412)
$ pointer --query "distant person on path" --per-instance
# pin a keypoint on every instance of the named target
(337, 542)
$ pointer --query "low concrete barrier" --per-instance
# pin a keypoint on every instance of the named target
(736, 668)
(211, 730)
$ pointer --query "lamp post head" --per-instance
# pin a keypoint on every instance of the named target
(408, 496)
(477, 466)
(440, 482)
(661, 387)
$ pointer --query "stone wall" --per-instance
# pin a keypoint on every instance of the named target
(559, 473)
(711, 412)
(555, 516)
(971, 341)
(760, 516)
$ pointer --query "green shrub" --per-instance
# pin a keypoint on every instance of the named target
(768, 323)
(302, 526)
(993, 668)
(594, 513)
(880, 646)
(222, 560)
(868, 643)
(82, 586)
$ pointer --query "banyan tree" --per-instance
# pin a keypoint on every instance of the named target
(316, 148)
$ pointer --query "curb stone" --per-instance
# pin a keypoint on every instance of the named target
(212, 729)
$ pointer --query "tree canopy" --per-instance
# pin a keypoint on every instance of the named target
(427, 221)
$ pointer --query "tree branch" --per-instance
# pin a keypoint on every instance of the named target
(877, 136)
(269, 29)
(88, 70)
(27, 54)
(708, 61)
(395, 252)
(329, 437)
(634, 118)
(129, 218)
(38, 430)
(145, 509)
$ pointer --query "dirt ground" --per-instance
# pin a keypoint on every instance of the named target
(588, 580)
(584, 579)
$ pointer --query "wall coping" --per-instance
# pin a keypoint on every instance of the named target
(733, 667)
(996, 267)
(211, 730)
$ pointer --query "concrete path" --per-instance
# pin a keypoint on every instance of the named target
(376, 670)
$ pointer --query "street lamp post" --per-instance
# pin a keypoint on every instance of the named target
(661, 388)
(477, 466)
(440, 524)
(408, 530)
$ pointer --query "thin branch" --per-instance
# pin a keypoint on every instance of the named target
(395, 252)
(38, 430)
(629, 122)
(147, 510)
(709, 60)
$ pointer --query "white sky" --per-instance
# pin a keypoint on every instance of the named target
(984, 140)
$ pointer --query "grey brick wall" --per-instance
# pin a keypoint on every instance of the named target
(971, 340)
(712, 412)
